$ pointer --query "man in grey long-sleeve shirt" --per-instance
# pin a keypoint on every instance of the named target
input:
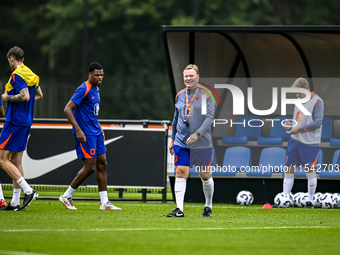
(191, 141)
(303, 147)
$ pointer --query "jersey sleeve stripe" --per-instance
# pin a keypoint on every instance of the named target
(179, 93)
(88, 87)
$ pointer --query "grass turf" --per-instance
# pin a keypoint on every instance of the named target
(95, 195)
(47, 227)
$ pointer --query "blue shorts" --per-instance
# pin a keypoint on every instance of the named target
(190, 157)
(14, 138)
(299, 154)
(94, 146)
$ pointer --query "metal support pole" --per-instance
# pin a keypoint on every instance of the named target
(144, 195)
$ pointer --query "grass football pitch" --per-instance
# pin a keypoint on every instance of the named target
(47, 227)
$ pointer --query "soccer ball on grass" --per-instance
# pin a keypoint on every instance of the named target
(337, 196)
(328, 201)
(283, 200)
(244, 197)
(317, 197)
(304, 199)
(296, 199)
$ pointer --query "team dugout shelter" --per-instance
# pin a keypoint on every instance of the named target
(261, 58)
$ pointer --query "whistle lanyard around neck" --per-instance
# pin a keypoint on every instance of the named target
(187, 100)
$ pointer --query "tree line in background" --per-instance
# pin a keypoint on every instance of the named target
(123, 35)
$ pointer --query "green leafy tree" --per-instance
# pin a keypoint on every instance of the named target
(124, 36)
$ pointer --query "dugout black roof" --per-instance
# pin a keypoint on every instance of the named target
(232, 54)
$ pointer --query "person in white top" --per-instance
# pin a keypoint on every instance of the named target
(304, 144)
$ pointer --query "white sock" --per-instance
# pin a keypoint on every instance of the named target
(208, 189)
(24, 185)
(16, 197)
(1, 194)
(180, 187)
(103, 197)
(69, 192)
(288, 183)
(312, 181)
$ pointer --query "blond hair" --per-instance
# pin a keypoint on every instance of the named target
(192, 66)
(301, 83)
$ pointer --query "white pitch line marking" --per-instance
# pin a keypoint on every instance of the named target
(21, 253)
(163, 229)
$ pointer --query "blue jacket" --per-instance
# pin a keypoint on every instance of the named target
(197, 121)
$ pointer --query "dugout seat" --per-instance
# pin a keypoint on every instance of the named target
(335, 172)
(272, 160)
(244, 133)
(327, 129)
(277, 134)
(336, 128)
(234, 159)
(334, 141)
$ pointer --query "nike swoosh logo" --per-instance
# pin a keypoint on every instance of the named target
(34, 168)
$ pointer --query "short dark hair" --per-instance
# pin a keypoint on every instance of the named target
(16, 52)
(95, 65)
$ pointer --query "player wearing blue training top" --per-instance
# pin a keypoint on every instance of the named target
(21, 91)
(191, 141)
(304, 144)
(3, 203)
(82, 112)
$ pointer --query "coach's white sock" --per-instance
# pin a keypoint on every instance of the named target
(24, 185)
(312, 182)
(180, 187)
(69, 192)
(288, 183)
(1, 194)
(16, 197)
(103, 197)
(208, 189)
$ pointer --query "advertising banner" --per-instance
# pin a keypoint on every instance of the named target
(135, 157)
